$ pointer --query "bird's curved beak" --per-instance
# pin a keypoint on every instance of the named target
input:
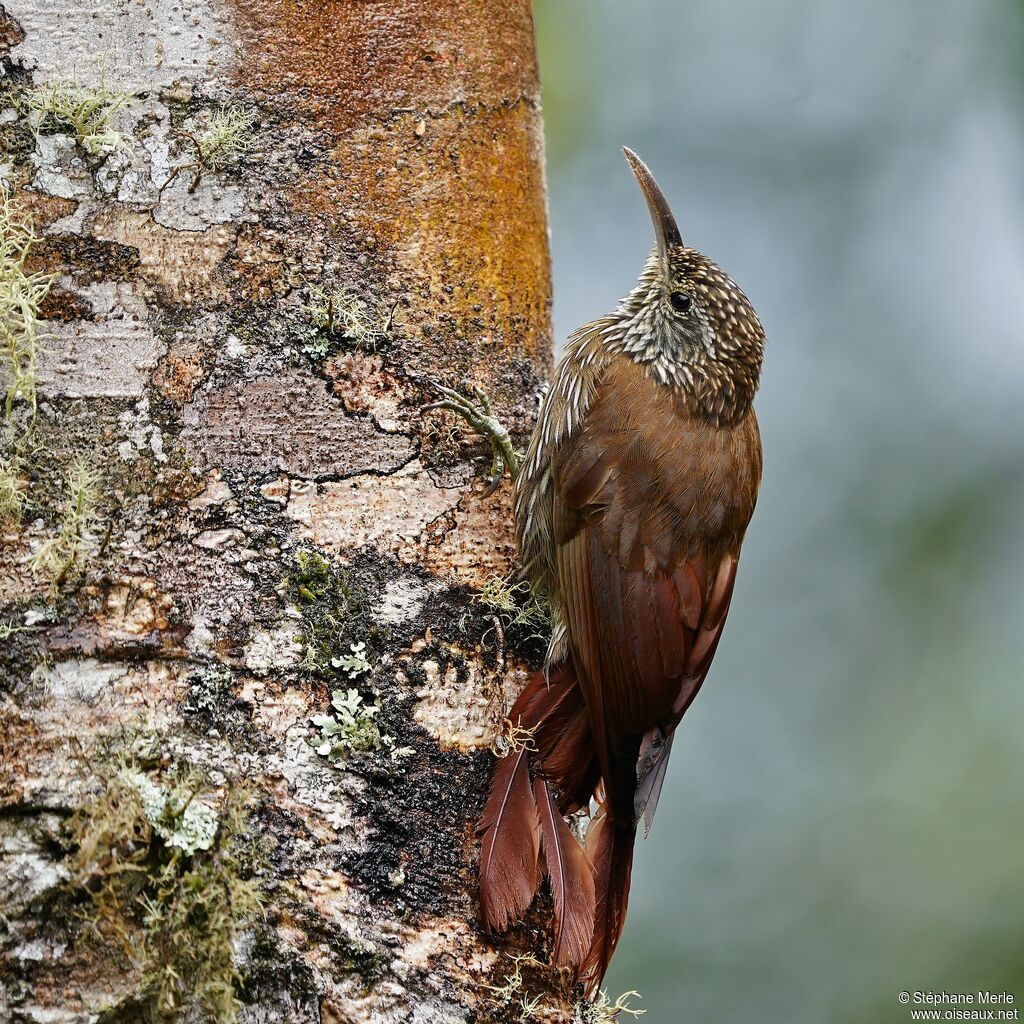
(665, 229)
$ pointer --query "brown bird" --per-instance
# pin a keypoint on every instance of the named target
(631, 505)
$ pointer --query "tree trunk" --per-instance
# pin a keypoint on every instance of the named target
(258, 231)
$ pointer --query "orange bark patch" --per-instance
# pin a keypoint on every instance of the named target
(465, 228)
(431, 116)
(344, 57)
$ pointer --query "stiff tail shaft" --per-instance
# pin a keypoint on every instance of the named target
(610, 853)
(525, 837)
(571, 880)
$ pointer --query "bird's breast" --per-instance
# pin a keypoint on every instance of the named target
(651, 468)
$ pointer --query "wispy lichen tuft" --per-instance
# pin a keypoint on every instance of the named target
(168, 866)
(219, 139)
(511, 737)
(66, 555)
(512, 989)
(12, 493)
(225, 137)
(343, 318)
(605, 1011)
(529, 1007)
(516, 606)
(84, 111)
(21, 294)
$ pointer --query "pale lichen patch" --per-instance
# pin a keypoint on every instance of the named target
(27, 869)
(274, 650)
(90, 699)
(211, 202)
(94, 683)
(140, 45)
(402, 601)
(110, 357)
(297, 776)
(60, 171)
(276, 710)
(142, 436)
(458, 708)
(386, 512)
(311, 791)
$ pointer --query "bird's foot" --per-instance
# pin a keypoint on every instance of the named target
(480, 416)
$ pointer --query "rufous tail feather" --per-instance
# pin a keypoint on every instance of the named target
(571, 880)
(510, 850)
(610, 852)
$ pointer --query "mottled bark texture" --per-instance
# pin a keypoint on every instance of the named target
(268, 225)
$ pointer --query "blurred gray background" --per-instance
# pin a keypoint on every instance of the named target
(843, 818)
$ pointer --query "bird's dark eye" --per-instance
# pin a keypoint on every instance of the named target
(681, 302)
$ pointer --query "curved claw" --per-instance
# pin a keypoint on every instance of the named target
(448, 393)
(494, 481)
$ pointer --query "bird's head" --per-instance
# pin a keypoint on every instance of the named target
(688, 320)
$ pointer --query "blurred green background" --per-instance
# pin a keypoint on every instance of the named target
(844, 817)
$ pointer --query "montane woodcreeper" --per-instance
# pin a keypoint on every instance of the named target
(631, 504)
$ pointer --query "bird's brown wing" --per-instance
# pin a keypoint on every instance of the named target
(650, 506)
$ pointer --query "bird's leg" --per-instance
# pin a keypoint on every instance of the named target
(480, 416)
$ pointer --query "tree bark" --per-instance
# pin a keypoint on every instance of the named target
(284, 220)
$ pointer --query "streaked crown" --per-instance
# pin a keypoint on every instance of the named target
(687, 320)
